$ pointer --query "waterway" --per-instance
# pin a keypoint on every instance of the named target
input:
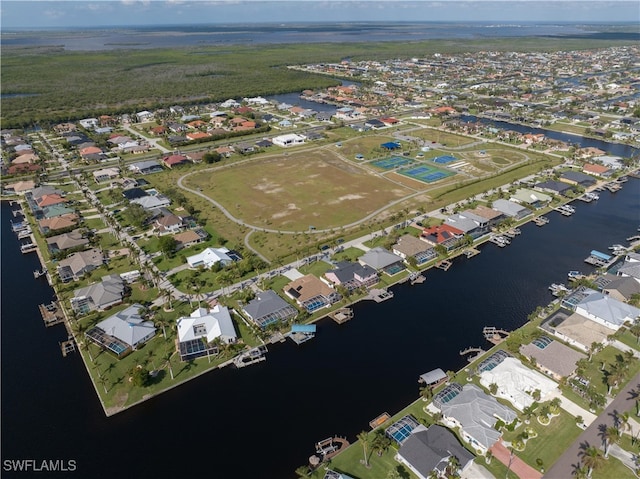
(617, 149)
(262, 421)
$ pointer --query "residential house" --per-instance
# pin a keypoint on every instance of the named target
(144, 116)
(476, 413)
(490, 216)
(20, 187)
(66, 241)
(605, 310)
(187, 238)
(611, 162)
(351, 275)
(577, 178)
(211, 256)
(516, 382)
(311, 293)
(623, 288)
(408, 246)
(511, 209)
(288, 140)
(198, 331)
(470, 224)
(78, 264)
(428, 449)
(174, 160)
(444, 234)
(50, 200)
(381, 259)
(268, 308)
(122, 332)
(168, 224)
(552, 357)
(106, 174)
(152, 202)
(555, 187)
(597, 170)
(530, 197)
(145, 167)
(99, 296)
(53, 211)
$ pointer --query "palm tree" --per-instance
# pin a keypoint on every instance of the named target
(595, 348)
(529, 412)
(622, 421)
(610, 435)
(426, 392)
(580, 471)
(592, 458)
(363, 437)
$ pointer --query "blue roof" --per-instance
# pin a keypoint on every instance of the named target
(303, 328)
(391, 145)
(600, 255)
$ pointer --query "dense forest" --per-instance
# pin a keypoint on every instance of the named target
(48, 85)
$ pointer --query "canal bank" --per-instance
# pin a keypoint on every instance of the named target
(332, 385)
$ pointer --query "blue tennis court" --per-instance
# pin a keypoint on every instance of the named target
(426, 173)
(443, 160)
(392, 162)
(400, 430)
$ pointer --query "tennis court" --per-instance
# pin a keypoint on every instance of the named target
(392, 162)
(425, 173)
(444, 159)
(400, 430)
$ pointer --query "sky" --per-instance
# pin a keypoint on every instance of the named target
(39, 14)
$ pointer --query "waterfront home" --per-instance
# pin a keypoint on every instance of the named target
(268, 308)
(475, 413)
(623, 287)
(145, 167)
(630, 267)
(288, 140)
(444, 234)
(408, 246)
(122, 332)
(198, 331)
(381, 259)
(78, 264)
(491, 216)
(428, 449)
(606, 310)
(555, 187)
(577, 178)
(552, 357)
(511, 209)
(310, 293)
(106, 174)
(211, 256)
(535, 199)
(516, 382)
(473, 227)
(611, 162)
(56, 223)
(576, 330)
(20, 187)
(66, 241)
(597, 170)
(99, 296)
(351, 275)
(49, 200)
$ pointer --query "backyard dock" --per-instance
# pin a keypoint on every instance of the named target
(380, 420)
(540, 220)
(68, 346)
(341, 315)
(51, 314)
(379, 295)
(494, 335)
(471, 252)
(251, 356)
(444, 264)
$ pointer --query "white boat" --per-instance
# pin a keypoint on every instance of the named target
(574, 274)
(614, 247)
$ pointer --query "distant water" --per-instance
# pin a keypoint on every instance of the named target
(207, 35)
(262, 421)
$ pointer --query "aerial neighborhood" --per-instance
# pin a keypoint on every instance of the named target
(194, 237)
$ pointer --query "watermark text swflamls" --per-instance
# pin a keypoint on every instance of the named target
(36, 465)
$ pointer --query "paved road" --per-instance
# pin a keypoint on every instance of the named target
(624, 401)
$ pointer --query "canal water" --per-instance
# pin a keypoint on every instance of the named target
(262, 421)
(617, 149)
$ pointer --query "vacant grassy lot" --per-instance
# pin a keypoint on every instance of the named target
(298, 190)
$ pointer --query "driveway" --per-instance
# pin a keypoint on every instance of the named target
(624, 401)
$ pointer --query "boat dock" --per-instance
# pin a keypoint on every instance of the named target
(68, 346)
(301, 333)
(614, 186)
(565, 210)
(380, 420)
(494, 335)
(471, 252)
(596, 258)
(341, 315)
(251, 356)
(499, 240)
(472, 349)
(540, 220)
(589, 197)
(416, 278)
(444, 264)
(379, 295)
(330, 447)
(51, 314)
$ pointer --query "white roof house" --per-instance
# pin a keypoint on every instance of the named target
(209, 324)
(128, 326)
(288, 140)
(152, 202)
(475, 412)
(209, 257)
(606, 310)
(516, 382)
